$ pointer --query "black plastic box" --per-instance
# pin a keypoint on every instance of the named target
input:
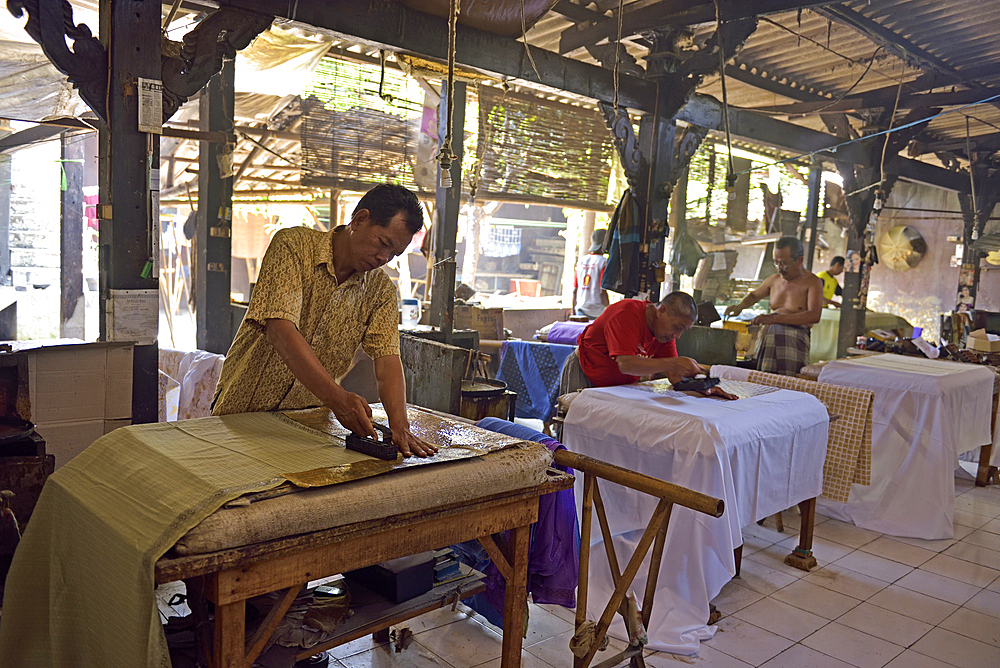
(397, 580)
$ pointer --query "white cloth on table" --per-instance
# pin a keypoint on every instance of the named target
(730, 373)
(760, 455)
(926, 413)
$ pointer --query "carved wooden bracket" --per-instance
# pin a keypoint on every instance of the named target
(219, 36)
(626, 143)
(86, 65)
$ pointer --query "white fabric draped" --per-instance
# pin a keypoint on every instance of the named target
(926, 413)
(760, 455)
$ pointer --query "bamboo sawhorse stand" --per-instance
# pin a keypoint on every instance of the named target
(655, 535)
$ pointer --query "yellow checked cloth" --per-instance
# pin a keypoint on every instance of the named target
(297, 283)
(849, 451)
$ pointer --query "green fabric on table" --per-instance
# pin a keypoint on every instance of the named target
(823, 344)
(80, 590)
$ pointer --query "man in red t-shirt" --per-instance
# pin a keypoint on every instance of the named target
(632, 339)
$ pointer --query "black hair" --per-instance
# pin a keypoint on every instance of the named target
(385, 200)
(680, 304)
(838, 260)
(792, 244)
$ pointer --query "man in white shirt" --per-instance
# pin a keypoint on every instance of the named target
(588, 297)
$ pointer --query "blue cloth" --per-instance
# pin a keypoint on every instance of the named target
(533, 371)
(554, 552)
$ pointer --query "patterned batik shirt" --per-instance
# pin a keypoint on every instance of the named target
(297, 283)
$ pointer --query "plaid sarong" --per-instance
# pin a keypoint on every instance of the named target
(783, 349)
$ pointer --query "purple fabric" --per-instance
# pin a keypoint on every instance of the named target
(554, 555)
(566, 332)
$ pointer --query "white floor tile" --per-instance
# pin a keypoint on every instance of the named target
(462, 644)
(957, 650)
(932, 545)
(800, 656)
(846, 581)
(555, 651)
(978, 505)
(565, 614)
(974, 624)
(875, 566)
(773, 557)
(359, 646)
(970, 519)
(437, 618)
(767, 534)
(853, 646)
(528, 660)
(734, 596)
(747, 642)
(783, 619)
(992, 526)
(961, 570)
(887, 548)
(938, 586)
(753, 544)
(815, 599)
(845, 534)
(986, 602)
(764, 579)
(977, 554)
(707, 657)
(543, 625)
(414, 656)
(885, 624)
(984, 539)
(913, 604)
(995, 586)
(910, 659)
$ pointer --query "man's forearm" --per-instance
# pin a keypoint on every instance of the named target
(633, 365)
(392, 390)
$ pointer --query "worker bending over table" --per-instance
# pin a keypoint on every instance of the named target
(796, 305)
(632, 340)
(319, 296)
(831, 288)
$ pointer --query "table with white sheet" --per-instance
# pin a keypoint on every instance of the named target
(760, 454)
(925, 414)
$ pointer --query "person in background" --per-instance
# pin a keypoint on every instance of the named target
(589, 298)
(831, 288)
(319, 296)
(632, 340)
(796, 296)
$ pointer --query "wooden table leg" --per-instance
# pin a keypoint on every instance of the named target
(985, 471)
(802, 556)
(230, 645)
(516, 598)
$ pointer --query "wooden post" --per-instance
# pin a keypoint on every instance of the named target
(449, 202)
(738, 206)
(4, 219)
(130, 31)
(214, 246)
(71, 305)
(678, 216)
(812, 211)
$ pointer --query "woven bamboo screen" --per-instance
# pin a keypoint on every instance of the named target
(537, 148)
(352, 138)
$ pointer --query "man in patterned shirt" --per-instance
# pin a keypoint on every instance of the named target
(319, 296)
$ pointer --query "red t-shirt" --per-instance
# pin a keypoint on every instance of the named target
(621, 330)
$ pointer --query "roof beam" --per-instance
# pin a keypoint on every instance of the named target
(575, 12)
(706, 112)
(395, 27)
(673, 13)
(733, 71)
(881, 100)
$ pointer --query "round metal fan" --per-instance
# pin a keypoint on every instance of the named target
(901, 248)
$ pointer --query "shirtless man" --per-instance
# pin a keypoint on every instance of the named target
(796, 305)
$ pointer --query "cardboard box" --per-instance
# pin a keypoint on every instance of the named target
(65, 440)
(980, 340)
(487, 321)
(87, 381)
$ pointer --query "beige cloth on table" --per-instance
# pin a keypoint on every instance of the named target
(80, 590)
(849, 451)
